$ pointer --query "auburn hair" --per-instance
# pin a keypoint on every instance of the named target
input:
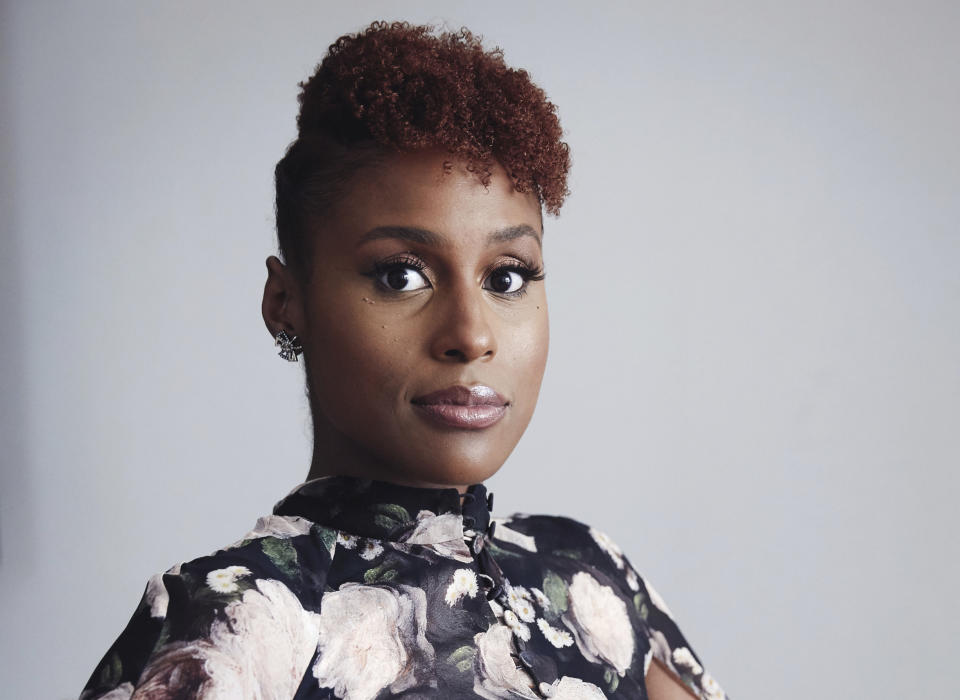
(401, 87)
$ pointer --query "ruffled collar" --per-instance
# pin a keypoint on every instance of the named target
(384, 510)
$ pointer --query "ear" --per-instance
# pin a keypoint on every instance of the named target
(282, 305)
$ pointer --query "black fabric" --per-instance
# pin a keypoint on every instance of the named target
(363, 589)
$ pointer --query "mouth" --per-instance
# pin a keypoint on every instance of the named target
(470, 408)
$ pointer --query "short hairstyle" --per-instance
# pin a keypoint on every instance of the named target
(402, 87)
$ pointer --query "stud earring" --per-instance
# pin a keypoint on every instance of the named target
(289, 347)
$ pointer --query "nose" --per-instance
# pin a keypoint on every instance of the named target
(464, 332)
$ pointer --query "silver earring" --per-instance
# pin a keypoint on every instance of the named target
(289, 347)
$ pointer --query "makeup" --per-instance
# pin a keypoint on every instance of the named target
(469, 408)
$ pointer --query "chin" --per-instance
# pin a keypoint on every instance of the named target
(454, 470)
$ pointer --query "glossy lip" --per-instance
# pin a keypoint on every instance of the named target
(470, 408)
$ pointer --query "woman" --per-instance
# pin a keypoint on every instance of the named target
(409, 221)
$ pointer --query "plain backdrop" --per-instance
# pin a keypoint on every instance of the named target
(754, 375)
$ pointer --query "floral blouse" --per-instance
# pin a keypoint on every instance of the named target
(358, 589)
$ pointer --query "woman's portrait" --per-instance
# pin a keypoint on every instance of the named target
(479, 351)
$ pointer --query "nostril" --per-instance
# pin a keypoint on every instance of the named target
(461, 356)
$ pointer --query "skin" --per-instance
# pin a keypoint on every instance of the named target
(663, 684)
(369, 350)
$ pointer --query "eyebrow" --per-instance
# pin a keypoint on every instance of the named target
(430, 238)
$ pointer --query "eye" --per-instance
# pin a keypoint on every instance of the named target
(506, 281)
(512, 280)
(402, 277)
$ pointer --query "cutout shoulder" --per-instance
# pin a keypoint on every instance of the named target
(663, 684)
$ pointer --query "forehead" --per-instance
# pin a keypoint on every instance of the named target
(433, 190)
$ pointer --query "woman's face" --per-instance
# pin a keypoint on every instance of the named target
(423, 281)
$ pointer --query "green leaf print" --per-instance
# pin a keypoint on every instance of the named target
(390, 515)
(282, 553)
(612, 680)
(640, 603)
(569, 553)
(327, 536)
(555, 589)
(500, 552)
(111, 672)
(379, 573)
(462, 658)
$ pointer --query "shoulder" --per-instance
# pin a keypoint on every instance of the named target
(588, 570)
(567, 554)
(200, 622)
(563, 535)
(287, 550)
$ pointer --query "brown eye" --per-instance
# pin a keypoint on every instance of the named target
(506, 281)
(402, 278)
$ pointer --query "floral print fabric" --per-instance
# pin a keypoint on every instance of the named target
(360, 589)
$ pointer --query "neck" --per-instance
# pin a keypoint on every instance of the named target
(334, 458)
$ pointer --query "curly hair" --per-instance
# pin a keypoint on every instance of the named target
(401, 87)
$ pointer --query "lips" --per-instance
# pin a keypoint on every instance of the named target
(462, 407)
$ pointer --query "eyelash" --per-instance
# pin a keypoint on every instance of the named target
(529, 273)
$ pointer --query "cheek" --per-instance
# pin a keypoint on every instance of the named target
(360, 353)
(529, 347)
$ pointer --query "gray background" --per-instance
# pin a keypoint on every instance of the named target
(753, 382)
